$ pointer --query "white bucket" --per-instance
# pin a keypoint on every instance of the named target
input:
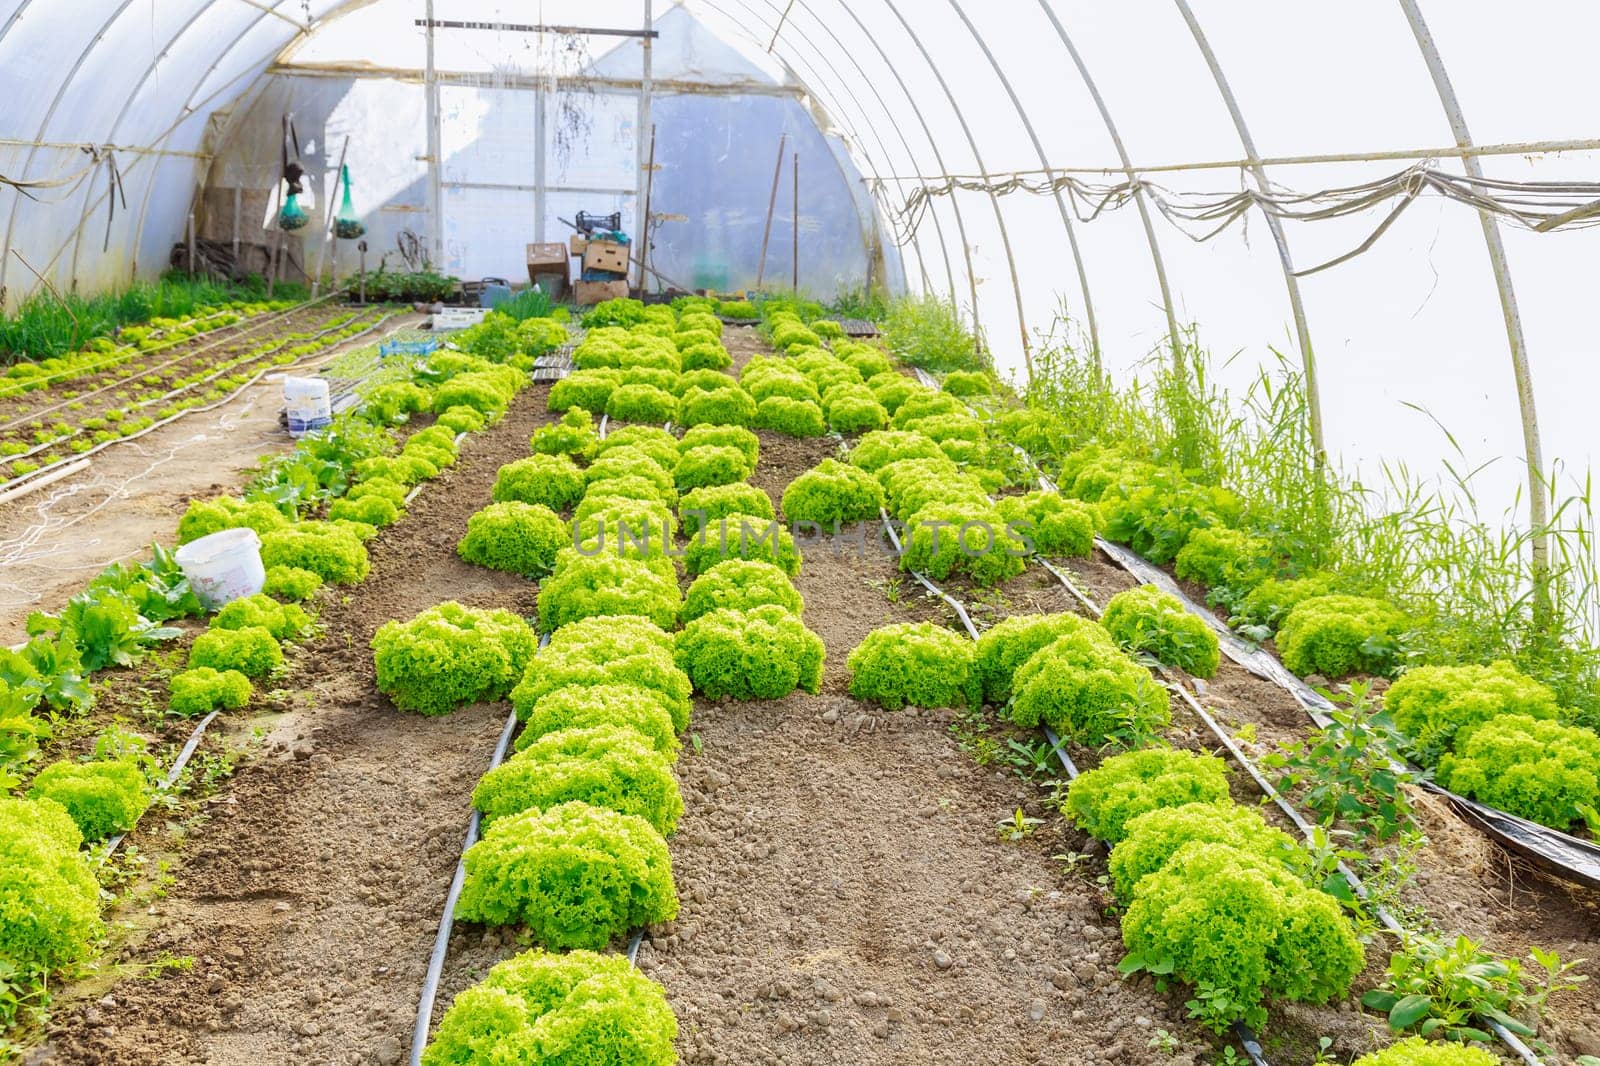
(305, 401)
(222, 567)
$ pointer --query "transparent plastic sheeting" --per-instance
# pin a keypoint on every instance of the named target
(1408, 336)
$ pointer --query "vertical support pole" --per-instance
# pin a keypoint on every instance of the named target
(275, 233)
(327, 220)
(772, 204)
(430, 89)
(795, 171)
(1308, 359)
(541, 202)
(1521, 372)
(646, 75)
(238, 209)
(193, 263)
(644, 225)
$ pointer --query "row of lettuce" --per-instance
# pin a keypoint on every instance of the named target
(165, 393)
(574, 846)
(355, 475)
(1484, 730)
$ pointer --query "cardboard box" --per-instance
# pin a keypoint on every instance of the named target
(592, 292)
(606, 255)
(552, 256)
(577, 243)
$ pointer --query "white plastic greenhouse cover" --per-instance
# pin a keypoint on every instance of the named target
(1424, 328)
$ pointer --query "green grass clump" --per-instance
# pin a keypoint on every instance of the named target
(519, 538)
(48, 893)
(762, 653)
(205, 517)
(1538, 769)
(1245, 926)
(698, 507)
(1154, 837)
(1089, 691)
(927, 332)
(331, 552)
(1009, 643)
(587, 586)
(551, 481)
(291, 583)
(1055, 524)
(796, 417)
(251, 650)
(1104, 800)
(742, 536)
(606, 766)
(204, 689)
(1430, 704)
(103, 797)
(644, 711)
(1340, 635)
(573, 875)
(576, 1007)
(710, 464)
(917, 663)
(573, 436)
(449, 656)
(832, 492)
(1150, 621)
(740, 584)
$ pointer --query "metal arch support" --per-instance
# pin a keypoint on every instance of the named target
(994, 201)
(933, 145)
(1044, 161)
(1127, 168)
(944, 250)
(127, 106)
(1308, 358)
(50, 113)
(1538, 490)
(834, 110)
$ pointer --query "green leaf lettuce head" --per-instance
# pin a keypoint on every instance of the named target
(616, 661)
(583, 586)
(762, 653)
(1009, 643)
(1535, 768)
(576, 876)
(1340, 635)
(1419, 1052)
(251, 650)
(552, 481)
(1431, 704)
(574, 1008)
(832, 492)
(103, 797)
(519, 538)
(1154, 837)
(1088, 691)
(204, 689)
(576, 707)
(918, 663)
(1147, 620)
(449, 656)
(740, 584)
(607, 766)
(1104, 800)
(48, 894)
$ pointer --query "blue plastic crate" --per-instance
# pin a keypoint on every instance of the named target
(424, 347)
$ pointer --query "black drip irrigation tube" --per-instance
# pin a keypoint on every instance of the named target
(1247, 1039)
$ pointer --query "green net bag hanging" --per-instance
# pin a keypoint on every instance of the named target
(293, 216)
(347, 225)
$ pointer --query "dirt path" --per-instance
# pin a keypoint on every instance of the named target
(54, 540)
(310, 901)
(846, 898)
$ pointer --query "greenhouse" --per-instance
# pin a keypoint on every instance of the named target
(797, 531)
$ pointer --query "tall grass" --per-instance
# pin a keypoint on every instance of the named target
(927, 332)
(1466, 577)
(45, 325)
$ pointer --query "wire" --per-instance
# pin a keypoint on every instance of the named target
(1538, 206)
